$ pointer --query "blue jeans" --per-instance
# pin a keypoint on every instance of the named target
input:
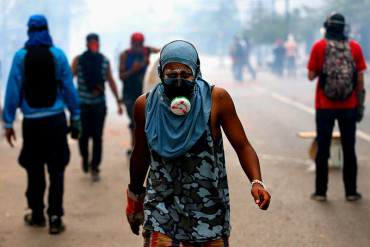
(325, 119)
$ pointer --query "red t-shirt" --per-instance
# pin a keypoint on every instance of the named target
(316, 64)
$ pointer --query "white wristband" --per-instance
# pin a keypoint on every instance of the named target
(256, 181)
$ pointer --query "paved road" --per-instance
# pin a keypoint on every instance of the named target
(272, 111)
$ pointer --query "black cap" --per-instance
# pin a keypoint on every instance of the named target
(335, 25)
(335, 20)
(92, 36)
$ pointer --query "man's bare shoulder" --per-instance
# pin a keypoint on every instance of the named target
(123, 54)
(220, 95)
(75, 59)
(139, 111)
(140, 101)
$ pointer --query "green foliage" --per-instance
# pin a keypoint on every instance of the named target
(266, 28)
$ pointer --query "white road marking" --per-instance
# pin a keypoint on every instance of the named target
(293, 103)
(363, 135)
(298, 105)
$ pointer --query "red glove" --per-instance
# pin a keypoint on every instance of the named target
(135, 210)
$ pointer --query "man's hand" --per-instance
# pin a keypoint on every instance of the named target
(137, 67)
(10, 136)
(119, 106)
(75, 129)
(261, 196)
(135, 210)
(360, 110)
(361, 95)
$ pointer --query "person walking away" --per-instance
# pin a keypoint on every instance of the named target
(247, 49)
(339, 65)
(40, 84)
(132, 67)
(279, 57)
(237, 57)
(93, 69)
(178, 147)
(291, 49)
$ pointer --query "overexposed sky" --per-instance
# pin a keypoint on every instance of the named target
(115, 20)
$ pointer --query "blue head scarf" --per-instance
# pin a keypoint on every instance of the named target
(38, 33)
(168, 134)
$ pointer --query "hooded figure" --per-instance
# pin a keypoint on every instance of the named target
(40, 84)
(168, 134)
(181, 156)
(38, 32)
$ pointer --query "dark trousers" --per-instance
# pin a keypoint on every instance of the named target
(237, 70)
(324, 126)
(92, 121)
(45, 142)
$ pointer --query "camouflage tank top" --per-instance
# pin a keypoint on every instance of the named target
(188, 197)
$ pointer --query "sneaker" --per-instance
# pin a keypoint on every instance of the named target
(85, 166)
(31, 220)
(319, 198)
(95, 176)
(56, 225)
(354, 197)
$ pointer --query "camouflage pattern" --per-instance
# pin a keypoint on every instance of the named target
(188, 197)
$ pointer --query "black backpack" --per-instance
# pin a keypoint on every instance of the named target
(40, 84)
(339, 74)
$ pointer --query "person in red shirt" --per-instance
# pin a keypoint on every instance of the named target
(346, 111)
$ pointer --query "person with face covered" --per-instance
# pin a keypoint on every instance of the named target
(179, 146)
(132, 68)
(40, 84)
(93, 69)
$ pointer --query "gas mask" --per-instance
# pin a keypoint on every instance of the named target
(179, 91)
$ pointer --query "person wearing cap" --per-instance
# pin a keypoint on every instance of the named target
(179, 147)
(132, 67)
(93, 69)
(40, 84)
(338, 64)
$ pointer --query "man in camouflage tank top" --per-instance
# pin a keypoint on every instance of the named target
(178, 143)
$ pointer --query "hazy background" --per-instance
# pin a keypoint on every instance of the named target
(210, 24)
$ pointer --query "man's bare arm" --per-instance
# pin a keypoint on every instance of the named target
(234, 131)
(74, 66)
(112, 83)
(123, 74)
(248, 159)
(154, 49)
(113, 87)
(140, 157)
